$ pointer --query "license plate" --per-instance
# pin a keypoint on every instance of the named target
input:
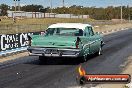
(49, 51)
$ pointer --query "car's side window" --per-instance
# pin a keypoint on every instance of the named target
(88, 31)
(91, 33)
(79, 32)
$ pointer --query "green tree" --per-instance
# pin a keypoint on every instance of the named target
(32, 8)
(107, 13)
(4, 9)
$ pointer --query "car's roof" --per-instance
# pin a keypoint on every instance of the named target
(69, 25)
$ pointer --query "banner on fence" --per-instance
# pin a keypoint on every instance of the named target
(12, 41)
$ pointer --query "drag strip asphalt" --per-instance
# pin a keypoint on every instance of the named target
(28, 72)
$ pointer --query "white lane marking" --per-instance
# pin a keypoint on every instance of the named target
(77, 87)
(83, 87)
(96, 26)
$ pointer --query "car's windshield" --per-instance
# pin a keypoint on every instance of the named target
(64, 31)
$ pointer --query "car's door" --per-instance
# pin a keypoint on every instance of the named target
(88, 40)
(94, 38)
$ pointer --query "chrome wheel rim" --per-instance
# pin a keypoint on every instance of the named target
(100, 49)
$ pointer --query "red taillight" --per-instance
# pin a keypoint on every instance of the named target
(77, 42)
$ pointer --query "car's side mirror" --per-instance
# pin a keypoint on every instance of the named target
(97, 33)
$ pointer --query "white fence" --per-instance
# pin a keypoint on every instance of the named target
(23, 14)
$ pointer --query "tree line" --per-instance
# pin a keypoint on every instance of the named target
(107, 13)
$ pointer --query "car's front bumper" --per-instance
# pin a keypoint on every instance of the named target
(53, 52)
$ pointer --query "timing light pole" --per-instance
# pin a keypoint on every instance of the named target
(129, 16)
(19, 8)
(121, 13)
(63, 3)
(18, 5)
(14, 17)
(51, 6)
(15, 5)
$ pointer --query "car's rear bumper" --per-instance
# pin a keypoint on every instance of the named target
(53, 52)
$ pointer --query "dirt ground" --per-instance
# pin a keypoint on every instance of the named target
(112, 27)
(13, 57)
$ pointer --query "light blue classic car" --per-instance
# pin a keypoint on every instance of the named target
(66, 40)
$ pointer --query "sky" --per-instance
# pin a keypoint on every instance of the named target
(58, 3)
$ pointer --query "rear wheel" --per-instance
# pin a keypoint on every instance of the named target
(43, 59)
(100, 49)
(83, 59)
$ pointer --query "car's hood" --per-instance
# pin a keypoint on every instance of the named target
(54, 41)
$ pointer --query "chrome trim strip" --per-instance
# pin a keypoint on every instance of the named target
(49, 55)
(53, 55)
(43, 49)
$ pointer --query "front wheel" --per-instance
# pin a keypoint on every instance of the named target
(99, 51)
